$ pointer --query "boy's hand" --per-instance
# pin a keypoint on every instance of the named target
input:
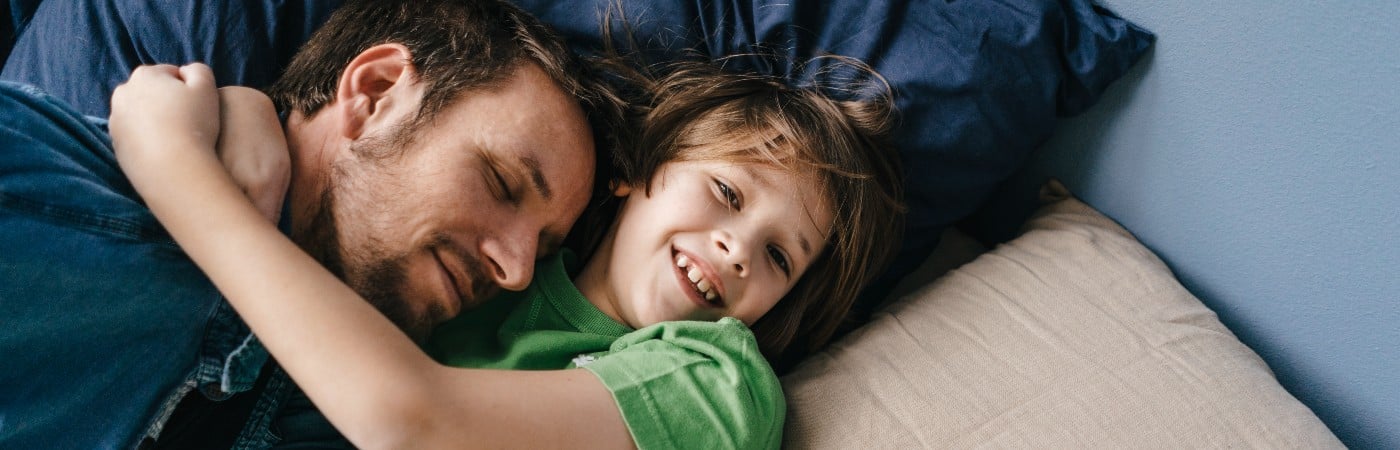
(165, 118)
(253, 148)
(161, 110)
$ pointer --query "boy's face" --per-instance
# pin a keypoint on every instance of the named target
(712, 239)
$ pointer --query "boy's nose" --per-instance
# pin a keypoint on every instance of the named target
(734, 253)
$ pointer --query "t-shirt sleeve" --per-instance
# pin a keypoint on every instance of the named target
(694, 385)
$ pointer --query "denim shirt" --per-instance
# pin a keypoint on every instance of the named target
(104, 322)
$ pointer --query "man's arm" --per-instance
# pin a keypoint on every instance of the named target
(370, 380)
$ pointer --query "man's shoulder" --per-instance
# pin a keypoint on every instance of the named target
(37, 124)
(58, 163)
(20, 98)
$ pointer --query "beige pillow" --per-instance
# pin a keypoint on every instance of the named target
(1072, 335)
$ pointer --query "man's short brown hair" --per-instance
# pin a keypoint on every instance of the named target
(455, 46)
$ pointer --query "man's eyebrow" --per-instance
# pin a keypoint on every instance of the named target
(537, 178)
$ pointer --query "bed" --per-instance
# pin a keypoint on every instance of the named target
(1200, 254)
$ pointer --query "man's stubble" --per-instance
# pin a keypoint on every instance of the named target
(379, 278)
(370, 269)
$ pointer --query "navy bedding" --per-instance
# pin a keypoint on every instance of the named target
(979, 83)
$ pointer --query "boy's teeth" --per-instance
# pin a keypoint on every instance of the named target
(696, 277)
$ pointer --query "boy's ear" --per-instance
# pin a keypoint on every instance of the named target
(620, 188)
(375, 86)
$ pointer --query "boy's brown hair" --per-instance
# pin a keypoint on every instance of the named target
(699, 112)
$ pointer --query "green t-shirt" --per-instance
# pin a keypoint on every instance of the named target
(678, 384)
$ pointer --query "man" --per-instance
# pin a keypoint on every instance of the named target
(438, 149)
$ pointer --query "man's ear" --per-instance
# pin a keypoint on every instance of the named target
(375, 83)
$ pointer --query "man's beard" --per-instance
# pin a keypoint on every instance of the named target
(378, 277)
(371, 271)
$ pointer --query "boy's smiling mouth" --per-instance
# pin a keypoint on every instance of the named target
(705, 287)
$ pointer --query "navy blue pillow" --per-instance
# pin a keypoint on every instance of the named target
(79, 51)
(979, 83)
(13, 15)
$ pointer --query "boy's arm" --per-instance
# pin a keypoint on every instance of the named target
(373, 383)
(253, 147)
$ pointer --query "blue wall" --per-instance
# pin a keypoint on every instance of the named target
(1257, 150)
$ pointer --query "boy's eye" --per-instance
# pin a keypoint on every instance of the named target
(730, 198)
(779, 259)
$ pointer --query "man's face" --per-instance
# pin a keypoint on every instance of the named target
(491, 184)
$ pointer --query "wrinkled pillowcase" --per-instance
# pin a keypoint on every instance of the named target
(1073, 335)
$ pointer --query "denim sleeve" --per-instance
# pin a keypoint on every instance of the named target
(104, 322)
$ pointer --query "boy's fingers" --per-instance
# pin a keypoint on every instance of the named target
(197, 75)
(154, 71)
(157, 69)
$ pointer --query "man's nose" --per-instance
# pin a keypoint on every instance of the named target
(512, 259)
(734, 252)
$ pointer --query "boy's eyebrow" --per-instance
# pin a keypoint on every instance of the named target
(537, 180)
(806, 246)
(754, 175)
